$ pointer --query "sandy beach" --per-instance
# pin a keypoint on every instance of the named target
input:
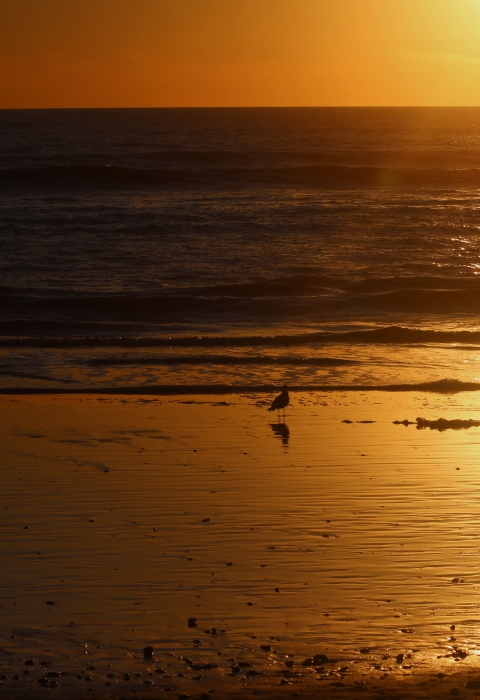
(256, 557)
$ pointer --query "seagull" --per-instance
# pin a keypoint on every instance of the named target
(281, 401)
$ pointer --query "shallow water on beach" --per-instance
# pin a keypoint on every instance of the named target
(132, 515)
(328, 364)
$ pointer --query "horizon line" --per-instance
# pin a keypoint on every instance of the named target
(412, 106)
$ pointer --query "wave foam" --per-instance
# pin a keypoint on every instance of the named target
(391, 335)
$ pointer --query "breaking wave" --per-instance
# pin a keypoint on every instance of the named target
(312, 297)
(391, 335)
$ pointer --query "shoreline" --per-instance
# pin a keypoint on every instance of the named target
(441, 386)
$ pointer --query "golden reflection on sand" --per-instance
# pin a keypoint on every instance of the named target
(333, 532)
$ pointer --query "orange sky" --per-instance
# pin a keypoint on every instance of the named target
(162, 53)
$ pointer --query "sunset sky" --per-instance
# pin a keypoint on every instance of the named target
(165, 53)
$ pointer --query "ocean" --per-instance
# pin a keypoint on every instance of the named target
(179, 249)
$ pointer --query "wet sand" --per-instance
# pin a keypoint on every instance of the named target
(337, 536)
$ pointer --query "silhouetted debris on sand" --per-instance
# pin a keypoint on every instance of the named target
(443, 424)
(440, 424)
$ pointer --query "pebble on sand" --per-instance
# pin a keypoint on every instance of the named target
(316, 660)
(319, 659)
(473, 685)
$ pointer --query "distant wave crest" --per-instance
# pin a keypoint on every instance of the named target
(313, 175)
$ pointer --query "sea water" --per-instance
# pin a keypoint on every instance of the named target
(203, 247)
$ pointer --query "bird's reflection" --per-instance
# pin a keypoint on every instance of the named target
(282, 431)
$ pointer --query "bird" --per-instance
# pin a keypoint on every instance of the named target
(281, 401)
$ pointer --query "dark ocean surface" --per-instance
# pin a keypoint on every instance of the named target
(312, 247)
